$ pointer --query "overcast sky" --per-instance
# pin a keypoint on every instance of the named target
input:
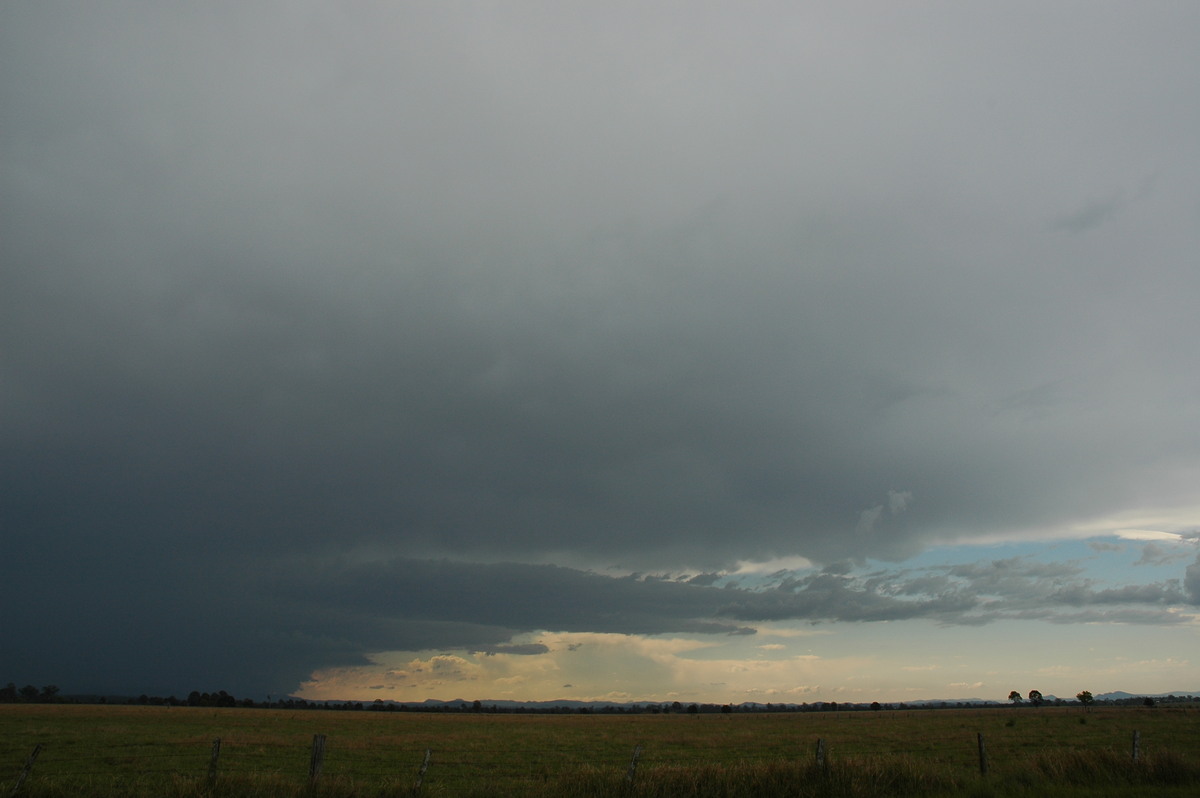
(539, 350)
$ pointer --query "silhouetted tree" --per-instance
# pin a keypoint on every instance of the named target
(1035, 697)
(1085, 698)
(1014, 697)
(8, 694)
(29, 692)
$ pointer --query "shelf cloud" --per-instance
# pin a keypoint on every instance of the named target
(329, 331)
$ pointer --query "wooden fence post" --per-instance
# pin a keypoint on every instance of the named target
(421, 771)
(37, 749)
(629, 774)
(821, 761)
(1137, 739)
(212, 762)
(983, 763)
(317, 760)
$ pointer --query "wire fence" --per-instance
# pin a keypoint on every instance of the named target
(451, 768)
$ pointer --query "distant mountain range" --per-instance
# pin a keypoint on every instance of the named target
(1120, 695)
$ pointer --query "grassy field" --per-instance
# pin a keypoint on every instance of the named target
(136, 751)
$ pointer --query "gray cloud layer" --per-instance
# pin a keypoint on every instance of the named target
(656, 287)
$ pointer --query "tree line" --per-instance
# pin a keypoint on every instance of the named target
(1086, 698)
(11, 694)
(1037, 699)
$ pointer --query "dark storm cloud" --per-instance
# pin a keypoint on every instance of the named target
(643, 285)
(442, 604)
(508, 596)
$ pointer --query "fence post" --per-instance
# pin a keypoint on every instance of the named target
(421, 771)
(1137, 739)
(629, 774)
(821, 761)
(317, 760)
(212, 762)
(37, 749)
(983, 763)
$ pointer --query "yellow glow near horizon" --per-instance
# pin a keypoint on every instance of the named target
(861, 664)
(589, 667)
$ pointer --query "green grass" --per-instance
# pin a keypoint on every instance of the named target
(160, 751)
